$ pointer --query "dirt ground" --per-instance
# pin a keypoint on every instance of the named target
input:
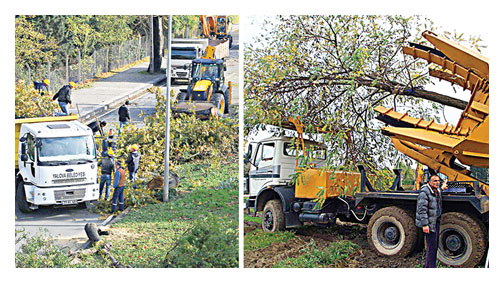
(363, 257)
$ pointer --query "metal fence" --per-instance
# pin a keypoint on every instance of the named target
(87, 67)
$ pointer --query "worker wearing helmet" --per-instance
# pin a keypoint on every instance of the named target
(119, 183)
(107, 168)
(133, 162)
(42, 87)
(63, 96)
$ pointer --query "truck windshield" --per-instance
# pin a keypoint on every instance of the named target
(183, 54)
(66, 149)
(205, 71)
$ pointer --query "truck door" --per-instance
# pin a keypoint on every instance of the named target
(29, 165)
(261, 171)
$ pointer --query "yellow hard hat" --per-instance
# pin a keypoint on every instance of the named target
(72, 84)
(47, 82)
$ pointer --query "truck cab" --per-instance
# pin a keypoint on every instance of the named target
(56, 164)
(182, 55)
(273, 162)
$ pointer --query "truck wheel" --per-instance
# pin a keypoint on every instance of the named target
(226, 101)
(392, 232)
(273, 218)
(462, 240)
(21, 202)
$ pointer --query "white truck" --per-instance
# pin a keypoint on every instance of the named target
(183, 52)
(351, 197)
(56, 163)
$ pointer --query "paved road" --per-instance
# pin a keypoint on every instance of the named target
(65, 224)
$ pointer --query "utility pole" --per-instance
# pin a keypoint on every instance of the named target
(166, 188)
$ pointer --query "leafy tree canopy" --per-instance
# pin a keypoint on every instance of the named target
(331, 71)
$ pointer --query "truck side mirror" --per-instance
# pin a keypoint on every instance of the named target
(24, 157)
(23, 148)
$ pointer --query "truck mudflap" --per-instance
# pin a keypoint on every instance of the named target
(62, 195)
(287, 197)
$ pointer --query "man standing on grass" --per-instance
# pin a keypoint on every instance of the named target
(107, 168)
(428, 217)
(133, 163)
(119, 182)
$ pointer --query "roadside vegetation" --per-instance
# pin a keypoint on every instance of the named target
(197, 227)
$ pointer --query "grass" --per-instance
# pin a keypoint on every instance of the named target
(313, 257)
(258, 239)
(252, 219)
(146, 234)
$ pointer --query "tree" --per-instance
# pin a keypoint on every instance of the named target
(332, 71)
(157, 42)
(31, 47)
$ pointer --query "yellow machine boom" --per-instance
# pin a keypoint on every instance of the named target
(437, 145)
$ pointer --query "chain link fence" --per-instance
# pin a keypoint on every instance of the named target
(87, 67)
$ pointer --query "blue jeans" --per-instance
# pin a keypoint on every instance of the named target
(432, 241)
(121, 125)
(105, 180)
(64, 108)
(118, 196)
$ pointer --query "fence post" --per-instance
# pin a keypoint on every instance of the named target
(67, 71)
(139, 47)
(49, 69)
(80, 65)
(94, 62)
(29, 73)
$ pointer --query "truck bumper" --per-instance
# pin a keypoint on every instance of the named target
(61, 195)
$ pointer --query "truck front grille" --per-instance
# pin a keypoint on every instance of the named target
(72, 180)
(73, 194)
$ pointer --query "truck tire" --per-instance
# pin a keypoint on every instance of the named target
(273, 218)
(392, 232)
(21, 202)
(463, 240)
(226, 101)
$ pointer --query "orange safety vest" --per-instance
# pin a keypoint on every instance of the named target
(122, 180)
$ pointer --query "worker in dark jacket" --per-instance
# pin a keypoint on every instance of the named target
(42, 87)
(97, 128)
(124, 115)
(133, 162)
(107, 168)
(63, 96)
(119, 183)
(428, 217)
